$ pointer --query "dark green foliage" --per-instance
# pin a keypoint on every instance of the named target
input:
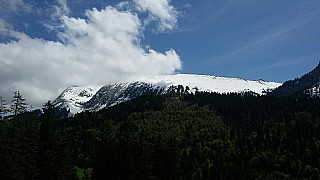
(18, 147)
(141, 104)
(276, 137)
(315, 174)
(176, 136)
(209, 135)
(54, 155)
(33, 149)
(151, 144)
(298, 86)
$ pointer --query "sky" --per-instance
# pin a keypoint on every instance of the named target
(48, 45)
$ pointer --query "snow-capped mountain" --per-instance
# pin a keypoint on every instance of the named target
(73, 98)
(212, 83)
(116, 93)
(78, 99)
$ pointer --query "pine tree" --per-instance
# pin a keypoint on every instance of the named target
(55, 160)
(47, 144)
(3, 107)
(19, 104)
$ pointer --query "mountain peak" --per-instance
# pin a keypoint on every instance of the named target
(74, 97)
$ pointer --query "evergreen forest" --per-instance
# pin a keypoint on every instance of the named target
(178, 135)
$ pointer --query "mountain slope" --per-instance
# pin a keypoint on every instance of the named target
(306, 85)
(73, 98)
(116, 93)
(78, 99)
(314, 91)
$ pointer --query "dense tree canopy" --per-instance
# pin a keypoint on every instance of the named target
(174, 136)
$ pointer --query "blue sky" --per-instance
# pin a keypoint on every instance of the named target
(273, 40)
(84, 42)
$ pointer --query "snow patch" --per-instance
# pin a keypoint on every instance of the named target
(73, 98)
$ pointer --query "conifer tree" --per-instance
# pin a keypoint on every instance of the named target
(19, 104)
(3, 107)
(47, 144)
(55, 160)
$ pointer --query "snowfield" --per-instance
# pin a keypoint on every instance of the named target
(78, 99)
(212, 83)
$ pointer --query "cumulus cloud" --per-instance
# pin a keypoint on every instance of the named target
(160, 10)
(104, 47)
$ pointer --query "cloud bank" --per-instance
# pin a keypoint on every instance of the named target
(100, 48)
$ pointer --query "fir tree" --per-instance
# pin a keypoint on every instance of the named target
(47, 144)
(55, 160)
(19, 104)
(3, 107)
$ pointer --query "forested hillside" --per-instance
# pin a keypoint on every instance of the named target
(300, 86)
(172, 136)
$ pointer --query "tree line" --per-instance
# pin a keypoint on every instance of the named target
(31, 147)
(17, 107)
(179, 135)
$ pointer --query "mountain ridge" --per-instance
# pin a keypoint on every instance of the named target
(95, 98)
(306, 85)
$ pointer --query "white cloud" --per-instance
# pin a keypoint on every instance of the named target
(100, 49)
(160, 10)
(4, 27)
(61, 9)
(14, 6)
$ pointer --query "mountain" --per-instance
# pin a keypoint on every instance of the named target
(94, 98)
(73, 98)
(212, 83)
(306, 85)
(116, 93)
